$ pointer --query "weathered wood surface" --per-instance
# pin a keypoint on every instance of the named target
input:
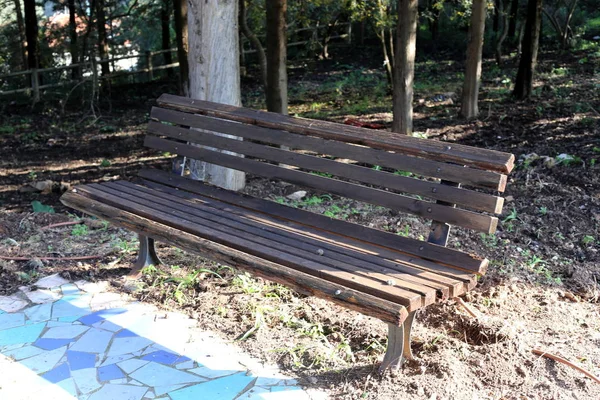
(383, 158)
(464, 155)
(469, 198)
(347, 297)
(335, 248)
(412, 248)
(257, 246)
(454, 216)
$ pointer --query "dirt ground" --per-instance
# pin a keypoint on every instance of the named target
(542, 290)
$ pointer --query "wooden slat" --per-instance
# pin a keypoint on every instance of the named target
(465, 155)
(422, 208)
(304, 283)
(356, 248)
(469, 198)
(416, 165)
(252, 246)
(272, 229)
(417, 248)
(279, 240)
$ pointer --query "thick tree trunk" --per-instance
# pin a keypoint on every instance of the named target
(102, 39)
(31, 34)
(512, 25)
(260, 51)
(214, 72)
(165, 22)
(22, 37)
(531, 40)
(470, 95)
(277, 96)
(404, 67)
(181, 28)
(73, 45)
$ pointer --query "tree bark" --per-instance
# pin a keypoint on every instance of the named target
(470, 94)
(31, 34)
(277, 96)
(512, 26)
(165, 20)
(214, 72)
(260, 51)
(22, 36)
(404, 67)
(102, 39)
(181, 28)
(531, 39)
(504, 20)
(386, 59)
(73, 45)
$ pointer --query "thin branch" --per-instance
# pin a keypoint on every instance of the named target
(464, 305)
(566, 362)
(51, 258)
(61, 224)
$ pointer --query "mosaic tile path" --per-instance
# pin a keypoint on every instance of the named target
(78, 341)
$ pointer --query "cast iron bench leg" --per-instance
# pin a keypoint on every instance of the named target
(146, 256)
(398, 348)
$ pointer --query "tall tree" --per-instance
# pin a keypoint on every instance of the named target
(181, 31)
(165, 23)
(531, 40)
(277, 100)
(31, 34)
(22, 37)
(404, 66)
(102, 37)
(73, 45)
(470, 94)
(512, 23)
(214, 72)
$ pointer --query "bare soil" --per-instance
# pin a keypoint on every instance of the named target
(542, 289)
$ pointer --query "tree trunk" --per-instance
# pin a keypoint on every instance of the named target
(470, 95)
(277, 100)
(22, 37)
(386, 59)
(31, 34)
(165, 22)
(102, 40)
(181, 28)
(73, 45)
(531, 40)
(404, 68)
(260, 51)
(504, 20)
(214, 72)
(512, 26)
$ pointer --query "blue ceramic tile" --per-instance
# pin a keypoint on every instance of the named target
(62, 308)
(153, 374)
(121, 392)
(128, 345)
(109, 372)
(107, 326)
(131, 365)
(39, 313)
(226, 388)
(23, 352)
(70, 289)
(163, 357)
(11, 320)
(182, 359)
(125, 333)
(72, 318)
(65, 332)
(51, 344)
(21, 334)
(160, 390)
(68, 385)
(45, 361)
(57, 374)
(91, 319)
(93, 341)
(86, 380)
(80, 360)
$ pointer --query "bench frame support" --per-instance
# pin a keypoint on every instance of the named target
(146, 256)
(398, 349)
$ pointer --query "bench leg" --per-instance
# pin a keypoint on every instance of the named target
(146, 256)
(398, 348)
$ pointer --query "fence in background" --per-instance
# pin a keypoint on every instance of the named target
(34, 80)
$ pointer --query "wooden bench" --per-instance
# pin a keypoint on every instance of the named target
(376, 273)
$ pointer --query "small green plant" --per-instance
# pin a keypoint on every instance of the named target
(489, 240)
(312, 201)
(105, 163)
(41, 208)
(568, 160)
(32, 175)
(588, 239)
(7, 130)
(405, 231)
(248, 284)
(543, 210)
(80, 230)
(403, 173)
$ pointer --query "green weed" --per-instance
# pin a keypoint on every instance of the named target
(80, 230)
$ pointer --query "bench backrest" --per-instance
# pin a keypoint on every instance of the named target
(362, 164)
